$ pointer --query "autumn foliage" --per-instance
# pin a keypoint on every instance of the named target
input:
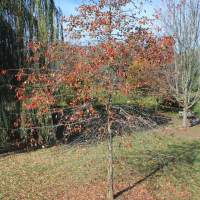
(121, 56)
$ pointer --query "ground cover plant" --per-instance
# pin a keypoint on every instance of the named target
(148, 165)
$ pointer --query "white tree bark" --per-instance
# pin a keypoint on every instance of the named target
(185, 121)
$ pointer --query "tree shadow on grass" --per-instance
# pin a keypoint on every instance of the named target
(156, 161)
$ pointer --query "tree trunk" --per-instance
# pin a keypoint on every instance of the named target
(110, 157)
(185, 122)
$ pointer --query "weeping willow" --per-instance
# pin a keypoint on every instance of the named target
(20, 22)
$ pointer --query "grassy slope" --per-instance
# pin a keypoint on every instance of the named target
(171, 167)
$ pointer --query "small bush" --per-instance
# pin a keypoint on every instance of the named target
(147, 102)
(119, 98)
(196, 109)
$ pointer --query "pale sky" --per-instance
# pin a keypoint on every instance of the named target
(68, 6)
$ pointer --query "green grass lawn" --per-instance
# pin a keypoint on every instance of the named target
(166, 167)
